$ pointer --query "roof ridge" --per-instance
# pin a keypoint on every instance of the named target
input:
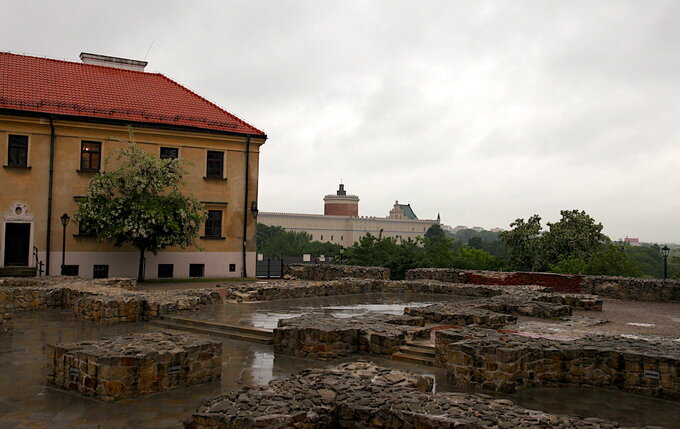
(195, 94)
(80, 63)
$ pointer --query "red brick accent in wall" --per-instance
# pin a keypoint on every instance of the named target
(341, 209)
(563, 283)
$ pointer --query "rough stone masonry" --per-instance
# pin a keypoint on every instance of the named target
(108, 303)
(506, 361)
(362, 395)
(324, 337)
(6, 319)
(133, 365)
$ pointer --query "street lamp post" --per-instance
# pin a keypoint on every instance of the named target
(664, 252)
(64, 221)
(342, 254)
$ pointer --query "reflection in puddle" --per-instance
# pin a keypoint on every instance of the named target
(270, 320)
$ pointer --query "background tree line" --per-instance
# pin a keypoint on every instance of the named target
(574, 244)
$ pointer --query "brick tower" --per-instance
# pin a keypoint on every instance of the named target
(341, 204)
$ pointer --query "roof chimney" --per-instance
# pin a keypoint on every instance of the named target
(119, 63)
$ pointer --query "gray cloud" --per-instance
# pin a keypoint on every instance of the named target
(483, 111)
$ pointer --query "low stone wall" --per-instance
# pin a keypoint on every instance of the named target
(121, 282)
(563, 283)
(632, 288)
(324, 337)
(333, 272)
(362, 395)
(104, 304)
(21, 281)
(133, 365)
(109, 310)
(6, 320)
(507, 362)
(274, 290)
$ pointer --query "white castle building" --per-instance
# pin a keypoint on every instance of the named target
(341, 223)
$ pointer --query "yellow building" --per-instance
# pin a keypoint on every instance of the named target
(341, 223)
(58, 122)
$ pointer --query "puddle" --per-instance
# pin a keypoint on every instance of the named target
(266, 315)
(643, 325)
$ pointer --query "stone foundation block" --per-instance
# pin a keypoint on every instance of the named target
(133, 365)
(6, 320)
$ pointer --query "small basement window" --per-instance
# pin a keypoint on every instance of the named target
(70, 270)
(196, 270)
(165, 271)
(100, 272)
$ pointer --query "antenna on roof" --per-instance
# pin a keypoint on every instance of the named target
(147, 51)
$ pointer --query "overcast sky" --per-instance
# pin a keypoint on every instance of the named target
(482, 111)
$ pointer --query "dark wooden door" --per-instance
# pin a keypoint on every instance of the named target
(17, 237)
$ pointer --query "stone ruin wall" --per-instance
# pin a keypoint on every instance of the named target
(324, 337)
(631, 288)
(333, 272)
(362, 395)
(6, 319)
(274, 290)
(108, 304)
(506, 362)
(133, 365)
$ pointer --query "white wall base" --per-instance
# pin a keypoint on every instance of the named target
(126, 264)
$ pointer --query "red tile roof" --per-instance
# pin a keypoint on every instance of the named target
(68, 88)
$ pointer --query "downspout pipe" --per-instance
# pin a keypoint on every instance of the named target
(244, 270)
(49, 199)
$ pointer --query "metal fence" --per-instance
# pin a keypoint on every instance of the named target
(271, 267)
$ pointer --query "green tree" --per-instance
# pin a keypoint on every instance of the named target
(275, 241)
(469, 258)
(140, 203)
(435, 231)
(438, 252)
(523, 243)
(575, 235)
(386, 252)
(608, 260)
(265, 234)
(612, 260)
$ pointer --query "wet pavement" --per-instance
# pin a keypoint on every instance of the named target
(265, 315)
(25, 401)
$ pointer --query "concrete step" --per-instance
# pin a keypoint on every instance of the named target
(17, 272)
(418, 351)
(214, 331)
(420, 360)
(216, 325)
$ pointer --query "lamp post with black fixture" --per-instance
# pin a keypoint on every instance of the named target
(664, 252)
(64, 221)
(342, 254)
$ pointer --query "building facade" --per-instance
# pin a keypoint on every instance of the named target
(58, 122)
(341, 223)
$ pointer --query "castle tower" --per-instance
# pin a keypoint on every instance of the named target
(341, 204)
